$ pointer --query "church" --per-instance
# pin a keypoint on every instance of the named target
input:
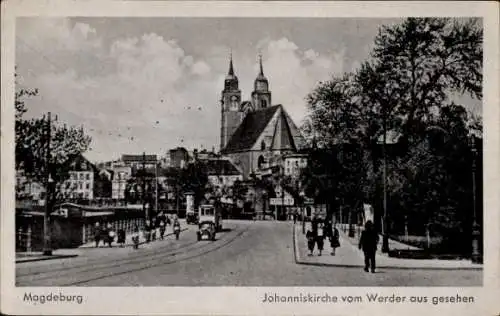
(254, 132)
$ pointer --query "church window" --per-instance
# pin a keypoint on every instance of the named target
(260, 162)
(263, 146)
(263, 103)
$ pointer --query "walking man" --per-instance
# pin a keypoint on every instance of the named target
(97, 234)
(320, 236)
(368, 243)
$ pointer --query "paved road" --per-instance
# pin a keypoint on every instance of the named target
(250, 254)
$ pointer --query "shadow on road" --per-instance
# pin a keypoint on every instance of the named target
(226, 230)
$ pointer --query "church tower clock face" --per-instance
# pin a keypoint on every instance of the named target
(234, 102)
(261, 86)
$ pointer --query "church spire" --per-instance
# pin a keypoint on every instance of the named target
(231, 68)
(261, 67)
(231, 82)
(261, 96)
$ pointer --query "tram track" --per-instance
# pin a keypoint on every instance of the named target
(161, 262)
(127, 265)
(98, 262)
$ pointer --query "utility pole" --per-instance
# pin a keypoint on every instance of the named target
(156, 187)
(47, 247)
(146, 213)
(476, 233)
(283, 190)
(385, 233)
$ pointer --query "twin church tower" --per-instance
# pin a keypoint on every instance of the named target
(233, 109)
(255, 131)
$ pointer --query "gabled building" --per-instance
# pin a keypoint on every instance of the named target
(255, 131)
(222, 172)
(81, 182)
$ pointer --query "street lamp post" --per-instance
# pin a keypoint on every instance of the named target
(385, 238)
(302, 195)
(144, 186)
(476, 233)
(47, 247)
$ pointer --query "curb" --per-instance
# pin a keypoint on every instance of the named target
(320, 264)
(131, 245)
(46, 258)
(53, 257)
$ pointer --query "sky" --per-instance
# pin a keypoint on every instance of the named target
(152, 84)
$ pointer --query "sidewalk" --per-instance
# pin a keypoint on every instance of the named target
(348, 255)
(39, 256)
(22, 257)
(142, 240)
(393, 244)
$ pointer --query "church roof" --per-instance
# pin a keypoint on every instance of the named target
(282, 136)
(250, 129)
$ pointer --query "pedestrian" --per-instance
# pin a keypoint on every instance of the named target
(320, 236)
(135, 237)
(334, 238)
(177, 228)
(97, 234)
(310, 241)
(153, 228)
(368, 243)
(162, 229)
(104, 233)
(121, 237)
(111, 235)
(147, 231)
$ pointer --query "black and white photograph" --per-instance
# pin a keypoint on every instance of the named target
(252, 151)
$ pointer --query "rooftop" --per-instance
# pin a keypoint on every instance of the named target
(139, 158)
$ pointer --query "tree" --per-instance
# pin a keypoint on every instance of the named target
(31, 136)
(417, 64)
(405, 87)
(194, 178)
(239, 191)
(335, 113)
(335, 170)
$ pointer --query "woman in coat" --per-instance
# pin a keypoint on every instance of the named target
(311, 239)
(334, 239)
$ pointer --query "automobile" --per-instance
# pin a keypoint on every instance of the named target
(206, 231)
(210, 213)
(192, 218)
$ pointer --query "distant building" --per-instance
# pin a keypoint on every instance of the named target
(139, 161)
(222, 172)
(179, 157)
(27, 189)
(204, 155)
(80, 184)
(121, 174)
(293, 164)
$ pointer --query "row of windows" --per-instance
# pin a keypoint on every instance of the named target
(80, 195)
(80, 175)
(77, 185)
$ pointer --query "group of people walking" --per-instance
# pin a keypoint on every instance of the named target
(153, 229)
(107, 234)
(322, 229)
(319, 231)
